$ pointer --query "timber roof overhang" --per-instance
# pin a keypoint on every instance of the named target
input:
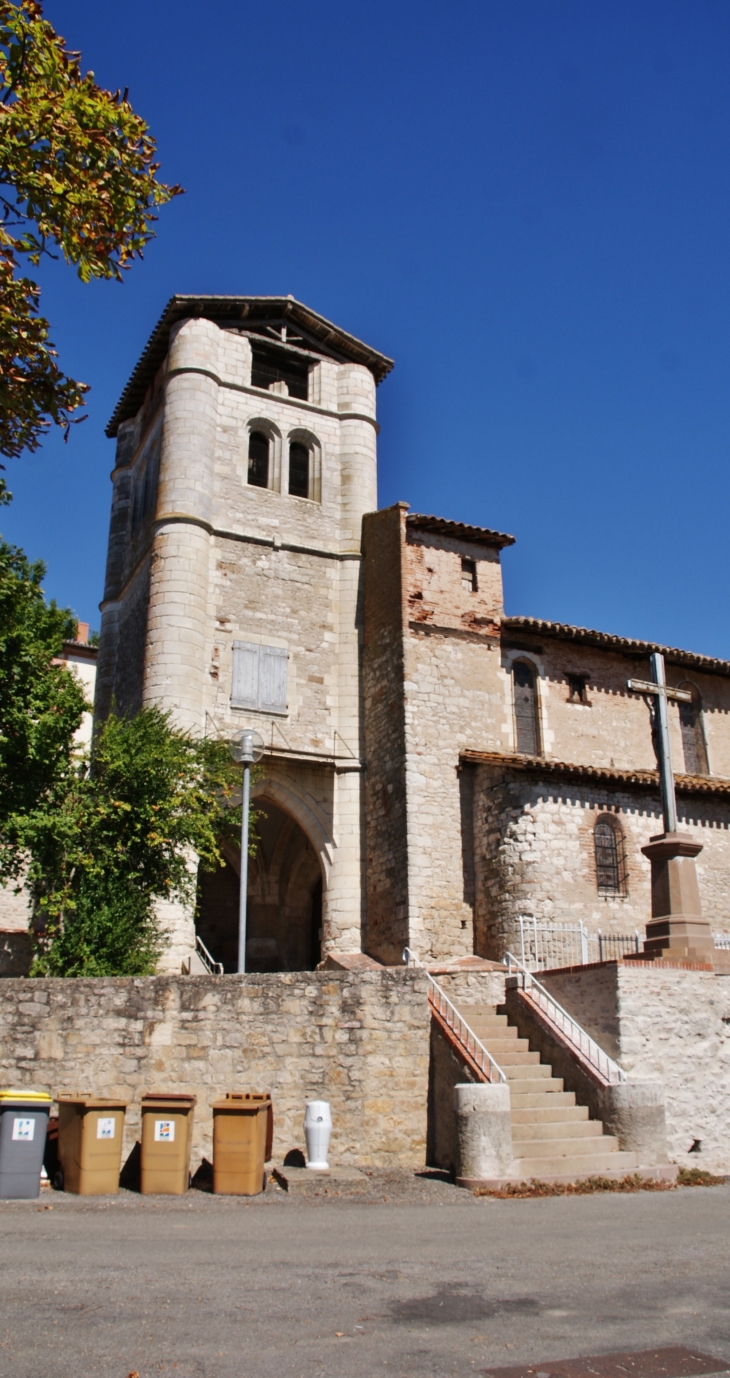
(458, 531)
(605, 641)
(596, 775)
(255, 315)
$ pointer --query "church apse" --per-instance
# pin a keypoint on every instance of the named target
(284, 928)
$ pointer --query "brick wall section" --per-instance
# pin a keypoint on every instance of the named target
(359, 1040)
(673, 1024)
(385, 779)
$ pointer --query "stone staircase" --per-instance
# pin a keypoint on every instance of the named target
(552, 1136)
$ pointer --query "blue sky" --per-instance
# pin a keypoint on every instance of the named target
(525, 204)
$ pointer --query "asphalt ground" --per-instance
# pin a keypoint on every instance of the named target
(404, 1276)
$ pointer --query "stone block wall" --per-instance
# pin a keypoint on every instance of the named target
(669, 1023)
(535, 854)
(357, 1039)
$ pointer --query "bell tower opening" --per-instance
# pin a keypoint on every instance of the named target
(284, 922)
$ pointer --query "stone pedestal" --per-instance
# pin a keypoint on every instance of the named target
(676, 931)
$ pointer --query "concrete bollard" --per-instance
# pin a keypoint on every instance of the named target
(484, 1131)
(634, 1111)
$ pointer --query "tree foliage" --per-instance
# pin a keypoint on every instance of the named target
(78, 173)
(41, 704)
(119, 838)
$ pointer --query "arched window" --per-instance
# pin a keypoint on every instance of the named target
(693, 737)
(258, 459)
(610, 856)
(298, 469)
(527, 736)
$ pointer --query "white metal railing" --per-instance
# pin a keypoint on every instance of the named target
(458, 1026)
(565, 1022)
(722, 940)
(545, 945)
(215, 968)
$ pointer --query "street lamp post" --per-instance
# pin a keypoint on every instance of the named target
(246, 749)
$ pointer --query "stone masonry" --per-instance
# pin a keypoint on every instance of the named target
(359, 1040)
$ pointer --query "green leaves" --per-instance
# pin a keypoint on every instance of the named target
(122, 835)
(78, 171)
(41, 703)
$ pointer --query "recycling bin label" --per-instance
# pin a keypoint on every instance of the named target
(23, 1130)
(105, 1127)
(164, 1131)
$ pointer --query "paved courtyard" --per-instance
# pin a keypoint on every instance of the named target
(408, 1276)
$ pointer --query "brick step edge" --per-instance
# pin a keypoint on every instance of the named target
(665, 1172)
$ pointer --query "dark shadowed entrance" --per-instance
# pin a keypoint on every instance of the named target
(284, 931)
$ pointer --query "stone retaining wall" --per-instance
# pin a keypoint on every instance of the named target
(357, 1039)
(669, 1023)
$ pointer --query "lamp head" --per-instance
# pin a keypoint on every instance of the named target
(246, 747)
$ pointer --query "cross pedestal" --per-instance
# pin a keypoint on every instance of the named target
(676, 931)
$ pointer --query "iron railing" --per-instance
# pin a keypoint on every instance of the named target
(214, 968)
(545, 945)
(464, 1036)
(568, 1026)
(722, 940)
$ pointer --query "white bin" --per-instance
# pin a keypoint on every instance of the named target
(317, 1130)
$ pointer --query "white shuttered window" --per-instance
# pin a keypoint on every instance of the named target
(259, 677)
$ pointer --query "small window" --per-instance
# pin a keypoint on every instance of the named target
(577, 688)
(610, 856)
(259, 677)
(298, 469)
(469, 574)
(525, 699)
(258, 459)
(693, 737)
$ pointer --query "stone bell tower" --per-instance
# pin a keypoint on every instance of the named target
(246, 460)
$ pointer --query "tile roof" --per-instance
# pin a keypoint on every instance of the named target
(607, 641)
(610, 775)
(459, 531)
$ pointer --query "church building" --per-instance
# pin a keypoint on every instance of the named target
(437, 775)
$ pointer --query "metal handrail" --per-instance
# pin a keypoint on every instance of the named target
(458, 1026)
(215, 968)
(582, 1041)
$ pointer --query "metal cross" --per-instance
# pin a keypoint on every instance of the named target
(660, 693)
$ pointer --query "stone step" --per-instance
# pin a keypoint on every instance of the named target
(477, 1011)
(587, 1165)
(538, 1092)
(487, 1028)
(506, 1056)
(548, 1113)
(502, 1045)
(534, 1071)
(557, 1129)
(565, 1148)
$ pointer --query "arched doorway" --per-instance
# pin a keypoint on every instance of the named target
(284, 928)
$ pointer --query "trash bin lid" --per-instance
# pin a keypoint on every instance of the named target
(243, 1100)
(91, 1102)
(167, 1098)
(16, 1094)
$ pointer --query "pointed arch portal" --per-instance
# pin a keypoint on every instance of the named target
(284, 928)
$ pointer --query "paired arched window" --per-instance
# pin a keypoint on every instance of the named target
(527, 735)
(693, 737)
(610, 848)
(299, 469)
(258, 459)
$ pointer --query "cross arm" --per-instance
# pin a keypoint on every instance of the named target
(645, 686)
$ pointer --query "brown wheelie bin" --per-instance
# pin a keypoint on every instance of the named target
(90, 1130)
(241, 1142)
(167, 1131)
